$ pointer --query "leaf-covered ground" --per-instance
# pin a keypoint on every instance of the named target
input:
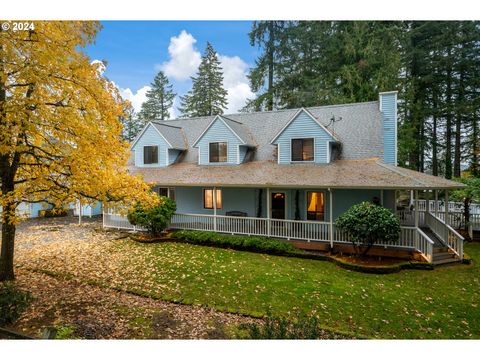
(442, 303)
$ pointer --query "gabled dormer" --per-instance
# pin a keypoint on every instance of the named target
(158, 145)
(223, 142)
(304, 140)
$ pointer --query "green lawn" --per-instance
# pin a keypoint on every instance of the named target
(411, 304)
(442, 303)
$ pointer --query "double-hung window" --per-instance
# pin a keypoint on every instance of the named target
(208, 198)
(150, 154)
(302, 149)
(217, 152)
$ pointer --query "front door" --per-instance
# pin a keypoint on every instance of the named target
(278, 205)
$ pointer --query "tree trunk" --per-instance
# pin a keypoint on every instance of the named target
(8, 232)
(271, 49)
(458, 127)
(448, 136)
(434, 144)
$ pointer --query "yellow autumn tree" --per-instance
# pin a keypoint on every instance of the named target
(60, 134)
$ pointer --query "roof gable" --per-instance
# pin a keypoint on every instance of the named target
(235, 128)
(292, 120)
(172, 135)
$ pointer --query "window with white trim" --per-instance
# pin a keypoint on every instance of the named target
(217, 152)
(208, 198)
(302, 149)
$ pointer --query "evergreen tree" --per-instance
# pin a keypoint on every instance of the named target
(207, 96)
(268, 36)
(131, 124)
(159, 100)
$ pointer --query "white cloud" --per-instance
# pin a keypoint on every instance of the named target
(235, 82)
(184, 58)
(137, 98)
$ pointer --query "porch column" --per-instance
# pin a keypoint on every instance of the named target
(446, 207)
(268, 212)
(331, 217)
(427, 203)
(417, 214)
(417, 238)
(215, 208)
(436, 203)
(381, 197)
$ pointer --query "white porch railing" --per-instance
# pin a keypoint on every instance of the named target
(410, 237)
(452, 206)
(446, 234)
(424, 244)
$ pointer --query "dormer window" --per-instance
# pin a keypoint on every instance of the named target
(303, 149)
(150, 154)
(217, 152)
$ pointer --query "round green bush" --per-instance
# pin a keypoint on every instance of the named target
(155, 219)
(367, 224)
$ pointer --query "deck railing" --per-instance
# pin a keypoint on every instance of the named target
(446, 234)
(452, 206)
(410, 237)
(424, 244)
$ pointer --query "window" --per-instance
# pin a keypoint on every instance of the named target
(208, 198)
(168, 192)
(150, 154)
(218, 152)
(302, 150)
(315, 206)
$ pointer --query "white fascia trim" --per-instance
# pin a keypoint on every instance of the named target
(144, 129)
(210, 125)
(311, 116)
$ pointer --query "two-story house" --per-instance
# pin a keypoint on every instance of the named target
(289, 173)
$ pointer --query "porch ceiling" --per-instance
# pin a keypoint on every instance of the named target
(346, 174)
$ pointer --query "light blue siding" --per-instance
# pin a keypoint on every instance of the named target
(173, 155)
(218, 132)
(151, 137)
(36, 207)
(303, 126)
(190, 200)
(243, 152)
(388, 106)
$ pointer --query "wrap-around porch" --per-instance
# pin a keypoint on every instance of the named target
(306, 215)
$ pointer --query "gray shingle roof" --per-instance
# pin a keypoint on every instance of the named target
(367, 173)
(240, 130)
(360, 130)
(173, 134)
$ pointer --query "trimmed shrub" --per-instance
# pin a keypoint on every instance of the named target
(237, 242)
(155, 219)
(13, 302)
(367, 224)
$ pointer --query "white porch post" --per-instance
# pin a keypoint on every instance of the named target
(427, 203)
(416, 220)
(446, 207)
(417, 214)
(268, 212)
(215, 208)
(436, 203)
(331, 217)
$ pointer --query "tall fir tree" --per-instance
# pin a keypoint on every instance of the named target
(207, 96)
(159, 100)
(270, 37)
(131, 124)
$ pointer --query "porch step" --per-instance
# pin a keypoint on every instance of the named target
(437, 243)
(452, 259)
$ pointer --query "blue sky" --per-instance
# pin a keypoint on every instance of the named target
(137, 50)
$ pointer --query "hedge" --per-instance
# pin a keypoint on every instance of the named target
(236, 242)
